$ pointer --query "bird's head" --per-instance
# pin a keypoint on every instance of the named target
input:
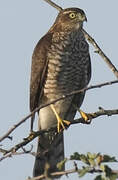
(68, 19)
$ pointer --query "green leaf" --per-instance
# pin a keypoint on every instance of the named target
(79, 157)
(108, 171)
(99, 177)
(113, 176)
(89, 159)
(92, 158)
(92, 155)
(92, 162)
(107, 158)
(83, 171)
(75, 156)
(102, 167)
(61, 164)
(84, 159)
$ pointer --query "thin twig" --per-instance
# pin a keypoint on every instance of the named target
(11, 154)
(13, 150)
(94, 115)
(52, 102)
(54, 5)
(93, 42)
(101, 53)
(28, 139)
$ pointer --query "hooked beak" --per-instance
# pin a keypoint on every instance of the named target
(82, 17)
(85, 19)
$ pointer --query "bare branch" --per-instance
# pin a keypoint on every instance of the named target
(54, 5)
(101, 53)
(92, 41)
(98, 50)
(91, 116)
(96, 114)
(52, 102)
(35, 134)
(11, 154)
(28, 139)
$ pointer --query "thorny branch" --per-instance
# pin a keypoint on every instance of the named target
(6, 135)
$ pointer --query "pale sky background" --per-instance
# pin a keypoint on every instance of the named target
(22, 24)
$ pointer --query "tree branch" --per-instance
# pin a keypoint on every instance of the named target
(91, 116)
(92, 41)
(52, 102)
(101, 53)
(54, 5)
(35, 134)
(91, 163)
(55, 174)
(10, 154)
(96, 114)
(67, 172)
(98, 50)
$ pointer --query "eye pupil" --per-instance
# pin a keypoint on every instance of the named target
(72, 15)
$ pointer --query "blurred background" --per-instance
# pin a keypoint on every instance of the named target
(22, 24)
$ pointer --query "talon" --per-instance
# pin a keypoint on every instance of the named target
(60, 122)
(84, 115)
(87, 117)
(31, 135)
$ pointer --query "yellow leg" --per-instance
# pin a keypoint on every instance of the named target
(60, 122)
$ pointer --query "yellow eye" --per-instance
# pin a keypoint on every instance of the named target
(72, 15)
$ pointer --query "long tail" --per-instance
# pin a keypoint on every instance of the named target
(50, 151)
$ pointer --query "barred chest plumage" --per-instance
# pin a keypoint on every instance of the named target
(68, 62)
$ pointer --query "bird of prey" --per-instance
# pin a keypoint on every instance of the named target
(60, 64)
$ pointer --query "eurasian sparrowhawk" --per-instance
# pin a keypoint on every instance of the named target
(60, 65)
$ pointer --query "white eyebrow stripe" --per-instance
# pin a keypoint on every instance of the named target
(66, 12)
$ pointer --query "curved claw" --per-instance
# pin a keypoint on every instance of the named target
(84, 115)
(31, 135)
(87, 117)
(60, 122)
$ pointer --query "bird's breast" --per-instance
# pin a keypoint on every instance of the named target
(67, 65)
